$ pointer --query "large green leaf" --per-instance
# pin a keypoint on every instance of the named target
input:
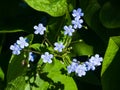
(110, 15)
(17, 84)
(52, 7)
(17, 69)
(54, 78)
(110, 73)
(57, 74)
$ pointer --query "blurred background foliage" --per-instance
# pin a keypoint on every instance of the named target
(102, 18)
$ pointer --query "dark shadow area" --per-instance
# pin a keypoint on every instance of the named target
(63, 71)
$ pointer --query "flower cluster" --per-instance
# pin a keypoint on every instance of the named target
(47, 58)
(19, 45)
(76, 23)
(81, 68)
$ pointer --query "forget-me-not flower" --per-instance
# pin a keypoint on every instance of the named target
(89, 65)
(31, 57)
(15, 49)
(59, 46)
(81, 70)
(96, 60)
(39, 29)
(77, 13)
(47, 57)
(22, 42)
(68, 30)
(77, 23)
(72, 67)
(93, 62)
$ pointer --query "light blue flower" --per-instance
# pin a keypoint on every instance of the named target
(59, 46)
(47, 57)
(68, 30)
(81, 70)
(96, 60)
(39, 29)
(89, 65)
(22, 42)
(77, 23)
(77, 13)
(93, 62)
(72, 67)
(31, 57)
(15, 49)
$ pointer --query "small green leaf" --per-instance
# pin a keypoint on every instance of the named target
(52, 7)
(35, 46)
(110, 74)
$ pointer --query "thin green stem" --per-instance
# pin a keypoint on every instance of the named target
(27, 50)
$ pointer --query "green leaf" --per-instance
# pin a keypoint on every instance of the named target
(18, 64)
(36, 46)
(17, 84)
(57, 73)
(110, 15)
(1, 74)
(54, 77)
(110, 74)
(40, 84)
(52, 7)
(15, 67)
(81, 48)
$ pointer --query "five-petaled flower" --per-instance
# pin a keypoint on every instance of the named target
(22, 42)
(77, 13)
(81, 70)
(39, 29)
(15, 49)
(47, 57)
(77, 23)
(59, 46)
(68, 30)
(72, 67)
(96, 60)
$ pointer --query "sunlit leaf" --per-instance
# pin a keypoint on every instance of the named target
(110, 68)
(52, 7)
